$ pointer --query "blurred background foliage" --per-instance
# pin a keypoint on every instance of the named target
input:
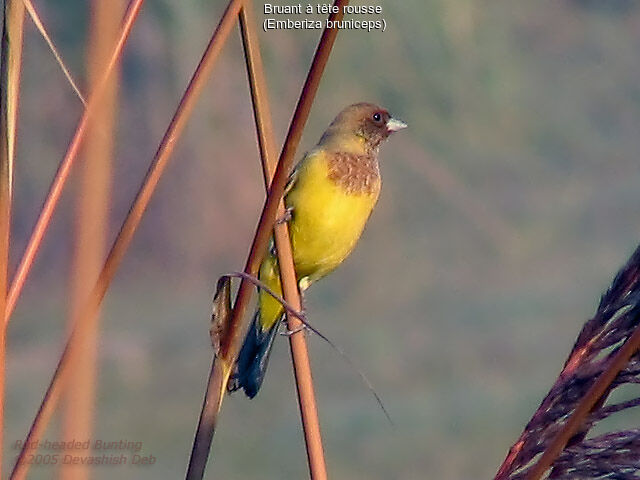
(507, 207)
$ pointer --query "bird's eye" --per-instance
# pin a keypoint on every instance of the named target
(377, 117)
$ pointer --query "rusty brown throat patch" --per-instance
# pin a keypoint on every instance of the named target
(357, 174)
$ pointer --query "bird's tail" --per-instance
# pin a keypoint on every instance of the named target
(253, 358)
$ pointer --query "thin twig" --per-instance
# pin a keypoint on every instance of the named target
(43, 31)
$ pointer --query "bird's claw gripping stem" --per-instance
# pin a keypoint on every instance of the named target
(288, 333)
(286, 217)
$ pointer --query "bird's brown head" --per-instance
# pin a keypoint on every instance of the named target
(365, 124)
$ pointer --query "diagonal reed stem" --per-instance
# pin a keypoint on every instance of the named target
(231, 342)
(298, 343)
(35, 18)
(62, 174)
(128, 228)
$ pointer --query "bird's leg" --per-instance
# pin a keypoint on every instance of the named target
(303, 303)
(301, 328)
(302, 285)
(286, 217)
(288, 333)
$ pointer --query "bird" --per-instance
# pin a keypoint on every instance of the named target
(329, 197)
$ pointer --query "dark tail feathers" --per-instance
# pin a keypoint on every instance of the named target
(253, 359)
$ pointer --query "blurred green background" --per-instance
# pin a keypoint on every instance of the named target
(507, 207)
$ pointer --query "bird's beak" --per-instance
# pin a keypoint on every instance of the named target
(393, 125)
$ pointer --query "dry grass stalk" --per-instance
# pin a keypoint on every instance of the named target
(43, 31)
(130, 224)
(11, 59)
(92, 213)
(231, 341)
(45, 411)
(62, 174)
(10, 67)
(298, 343)
(603, 359)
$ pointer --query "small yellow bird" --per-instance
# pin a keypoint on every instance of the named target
(329, 199)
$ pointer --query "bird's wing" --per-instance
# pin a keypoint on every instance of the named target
(293, 176)
(307, 158)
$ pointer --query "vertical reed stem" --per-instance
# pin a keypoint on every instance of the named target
(10, 67)
(299, 352)
(92, 209)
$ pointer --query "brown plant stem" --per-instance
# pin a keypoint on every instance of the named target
(298, 343)
(129, 226)
(13, 27)
(232, 340)
(10, 68)
(62, 174)
(92, 214)
(613, 323)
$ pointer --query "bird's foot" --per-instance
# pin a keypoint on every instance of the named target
(286, 217)
(288, 333)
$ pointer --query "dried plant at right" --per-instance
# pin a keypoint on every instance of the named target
(615, 454)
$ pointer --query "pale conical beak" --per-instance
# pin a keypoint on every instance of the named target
(393, 125)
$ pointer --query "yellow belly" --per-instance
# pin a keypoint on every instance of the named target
(325, 227)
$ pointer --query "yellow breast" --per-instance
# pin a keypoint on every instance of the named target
(329, 214)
